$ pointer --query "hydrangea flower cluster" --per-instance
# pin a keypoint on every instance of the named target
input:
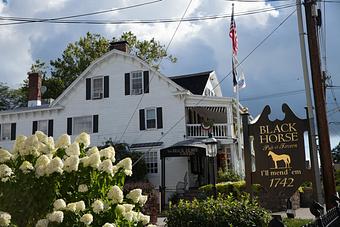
(84, 176)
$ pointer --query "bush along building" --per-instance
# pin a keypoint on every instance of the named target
(121, 98)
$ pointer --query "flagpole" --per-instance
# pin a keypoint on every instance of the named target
(239, 148)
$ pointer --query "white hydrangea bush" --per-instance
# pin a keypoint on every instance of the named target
(46, 183)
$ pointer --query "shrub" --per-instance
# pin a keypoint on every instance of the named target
(152, 204)
(64, 184)
(123, 151)
(227, 175)
(224, 211)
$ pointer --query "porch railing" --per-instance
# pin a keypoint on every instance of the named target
(222, 131)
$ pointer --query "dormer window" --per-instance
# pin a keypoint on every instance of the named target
(136, 82)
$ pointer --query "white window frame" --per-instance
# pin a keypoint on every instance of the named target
(77, 131)
(8, 137)
(146, 117)
(100, 94)
(151, 160)
(40, 124)
(132, 79)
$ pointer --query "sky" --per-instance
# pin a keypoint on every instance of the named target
(272, 71)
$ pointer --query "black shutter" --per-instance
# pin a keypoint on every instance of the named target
(127, 83)
(146, 81)
(88, 88)
(159, 117)
(0, 133)
(141, 119)
(50, 128)
(13, 131)
(95, 123)
(34, 127)
(69, 125)
(106, 86)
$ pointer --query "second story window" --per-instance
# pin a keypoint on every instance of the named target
(97, 88)
(150, 118)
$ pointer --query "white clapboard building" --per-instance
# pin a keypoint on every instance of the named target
(122, 98)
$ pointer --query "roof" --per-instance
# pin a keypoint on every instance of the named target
(142, 145)
(195, 82)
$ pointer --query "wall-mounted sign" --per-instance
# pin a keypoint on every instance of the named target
(279, 153)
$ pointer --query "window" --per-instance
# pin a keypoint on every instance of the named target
(8, 131)
(151, 118)
(136, 83)
(209, 92)
(151, 158)
(43, 126)
(82, 124)
(5, 131)
(97, 88)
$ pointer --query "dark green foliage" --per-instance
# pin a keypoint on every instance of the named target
(11, 98)
(152, 204)
(237, 188)
(139, 170)
(222, 212)
(227, 175)
(337, 180)
(296, 222)
(336, 154)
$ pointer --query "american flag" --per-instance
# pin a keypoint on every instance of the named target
(232, 33)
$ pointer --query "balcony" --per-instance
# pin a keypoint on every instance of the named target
(219, 131)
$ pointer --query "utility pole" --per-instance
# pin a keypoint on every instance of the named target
(319, 99)
(317, 194)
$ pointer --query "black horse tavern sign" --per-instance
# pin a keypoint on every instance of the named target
(278, 146)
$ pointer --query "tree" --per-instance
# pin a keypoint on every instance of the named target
(336, 154)
(10, 98)
(78, 56)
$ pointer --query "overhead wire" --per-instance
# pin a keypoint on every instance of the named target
(167, 47)
(204, 97)
(25, 20)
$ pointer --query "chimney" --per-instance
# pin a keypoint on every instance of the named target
(121, 46)
(34, 89)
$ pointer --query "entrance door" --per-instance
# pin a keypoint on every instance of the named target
(198, 175)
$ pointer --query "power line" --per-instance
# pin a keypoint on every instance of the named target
(25, 20)
(32, 20)
(274, 95)
(257, 46)
(172, 37)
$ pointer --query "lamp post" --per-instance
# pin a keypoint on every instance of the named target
(211, 153)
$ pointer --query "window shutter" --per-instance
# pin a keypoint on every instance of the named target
(159, 117)
(141, 119)
(13, 131)
(69, 125)
(127, 83)
(106, 86)
(95, 123)
(50, 128)
(88, 88)
(146, 81)
(34, 127)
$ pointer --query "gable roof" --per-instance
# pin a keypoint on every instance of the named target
(195, 82)
(103, 58)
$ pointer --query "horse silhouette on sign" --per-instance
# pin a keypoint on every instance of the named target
(280, 157)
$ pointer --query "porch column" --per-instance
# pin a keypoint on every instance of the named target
(162, 188)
